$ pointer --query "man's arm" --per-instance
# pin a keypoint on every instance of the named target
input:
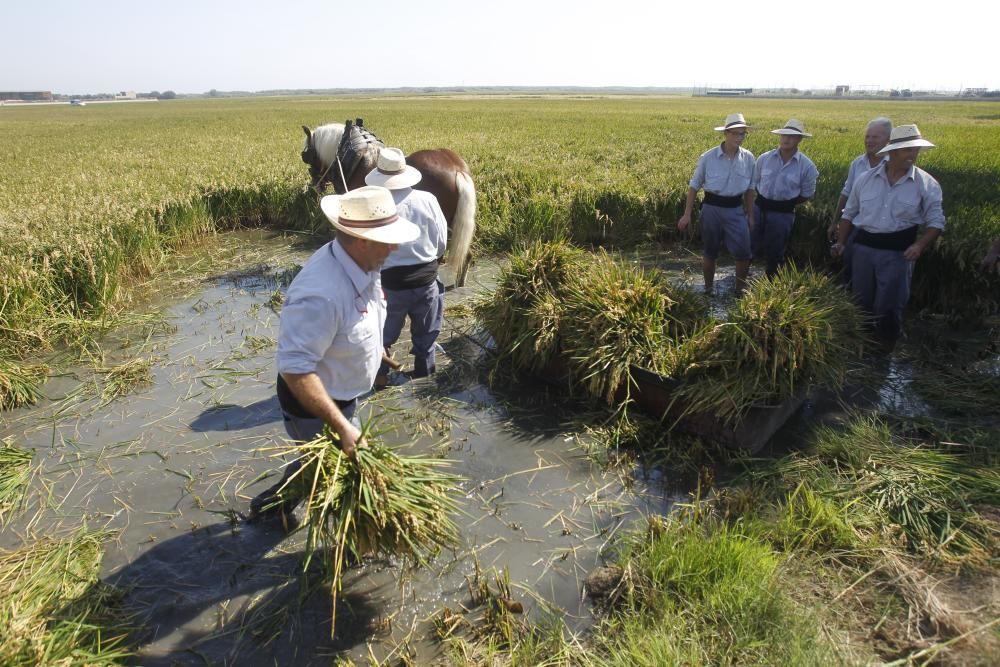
(310, 392)
(748, 199)
(915, 250)
(831, 231)
(685, 220)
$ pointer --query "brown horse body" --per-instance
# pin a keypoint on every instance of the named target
(443, 173)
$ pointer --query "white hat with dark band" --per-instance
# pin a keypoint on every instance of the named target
(733, 121)
(905, 136)
(794, 126)
(369, 212)
(391, 171)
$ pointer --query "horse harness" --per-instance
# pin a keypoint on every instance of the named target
(354, 144)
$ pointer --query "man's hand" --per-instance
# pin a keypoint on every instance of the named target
(350, 440)
(837, 249)
(831, 231)
(683, 223)
(913, 252)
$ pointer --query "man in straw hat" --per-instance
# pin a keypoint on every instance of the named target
(725, 173)
(783, 178)
(330, 338)
(410, 274)
(887, 206)
(876, 136)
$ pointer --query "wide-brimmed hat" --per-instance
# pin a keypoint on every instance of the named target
(369, 213)
(905, 136)
(391, 171)
(793, 126)
(733, 121)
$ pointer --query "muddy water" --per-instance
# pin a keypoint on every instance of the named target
(171, 467)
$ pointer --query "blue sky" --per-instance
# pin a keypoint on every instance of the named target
(193, 46)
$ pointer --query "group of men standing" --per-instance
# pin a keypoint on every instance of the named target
(750, 205)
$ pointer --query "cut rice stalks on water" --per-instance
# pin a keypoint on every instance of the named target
(378, 503)
(54, 609)
(20, 384)
(15, 472)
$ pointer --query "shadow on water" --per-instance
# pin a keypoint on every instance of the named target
(225, 594)
(229, 417)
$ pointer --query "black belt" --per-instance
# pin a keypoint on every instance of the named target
(292, 406)
(778, 205)
(723, 202)
(900, 240)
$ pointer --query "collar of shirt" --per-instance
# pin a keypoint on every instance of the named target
(362, 280)
(882, 171)
(719, 152)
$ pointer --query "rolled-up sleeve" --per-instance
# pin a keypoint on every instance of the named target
(308, 325)
(933, 206)
(698, 178)
(809, 178)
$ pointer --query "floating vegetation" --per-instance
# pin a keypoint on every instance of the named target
(378, 503)
(124, 378)
(20, 384)
(15, 472)
(54, 609)
(957, 391)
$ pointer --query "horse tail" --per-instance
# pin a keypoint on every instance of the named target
(462, 228)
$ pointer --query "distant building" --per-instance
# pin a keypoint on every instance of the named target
(125, 95)
(30, 96)
(728, 92)
(842, 90)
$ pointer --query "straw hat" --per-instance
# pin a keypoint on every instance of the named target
(793, 126)
(733, 121)
(369, 213)
(391, 171)
(905, 136)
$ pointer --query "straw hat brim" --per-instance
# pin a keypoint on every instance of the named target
(398, 232)
(406, 179)
(786, 130)
(732, 127)
(922, 144)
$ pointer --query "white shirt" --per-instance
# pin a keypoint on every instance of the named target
(331, 323)
(880, 208)
(781, 181)
(422, 209)
(859, 166)
(722, 175)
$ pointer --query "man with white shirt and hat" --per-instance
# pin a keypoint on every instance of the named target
(876, 136)
(330, 338)
(783, 178)
(725, 173)
(410, 274)
(887, 206)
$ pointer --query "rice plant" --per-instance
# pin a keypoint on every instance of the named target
(377, 503)
(15, 473)
(20, 384)
(54, 609)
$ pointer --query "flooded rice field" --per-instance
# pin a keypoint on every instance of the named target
(170, 467)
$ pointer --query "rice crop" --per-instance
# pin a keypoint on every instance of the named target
(15, 472)
(377, 503)
(91, 199)
(786, 332)
(54, 609)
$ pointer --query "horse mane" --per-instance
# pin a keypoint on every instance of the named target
(326, 141)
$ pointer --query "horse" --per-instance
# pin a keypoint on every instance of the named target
(344, 153)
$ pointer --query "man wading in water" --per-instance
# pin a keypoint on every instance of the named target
(888, 205)
(330, 340)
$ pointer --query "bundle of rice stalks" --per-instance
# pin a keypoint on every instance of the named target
(524, 312)
(124, 378)
(788, 331)
(618, 315)
(54, 609)
(378, 503)
(15, 471)
(20, 384)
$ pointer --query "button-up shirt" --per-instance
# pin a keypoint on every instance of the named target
(878, 207)
(778, 180)
(722, 175)
(859, 166)
(422, 209)
(331, 323)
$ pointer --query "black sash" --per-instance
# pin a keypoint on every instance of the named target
(410, 277)
(723, 202)
(777, 205)
(900, 240)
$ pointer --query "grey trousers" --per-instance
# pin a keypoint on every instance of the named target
(729, 225)
(425, 308)
(304, 429)
(770, 237)
(880, 282)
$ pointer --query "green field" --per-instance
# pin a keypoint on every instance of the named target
(92, 197)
